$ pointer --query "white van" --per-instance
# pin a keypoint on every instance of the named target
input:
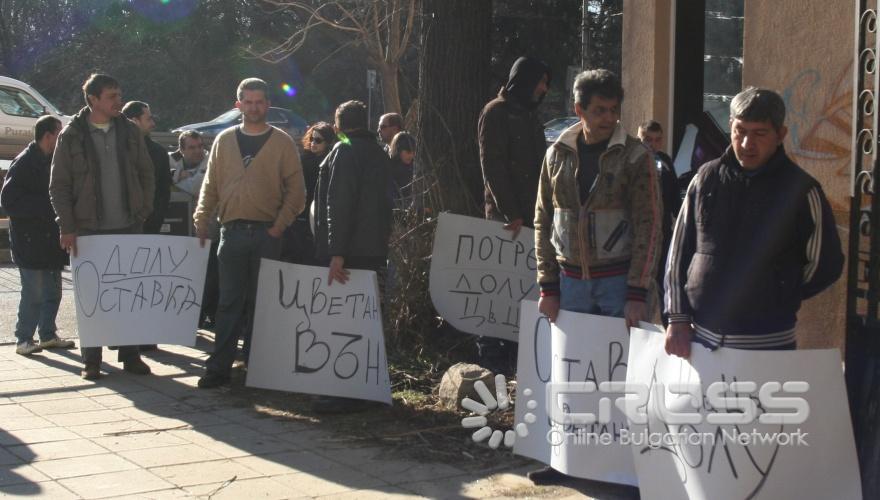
(20, 106)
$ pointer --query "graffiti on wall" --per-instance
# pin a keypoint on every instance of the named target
(819, 119)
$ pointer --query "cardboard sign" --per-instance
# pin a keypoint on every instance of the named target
(138, 289)
(479, 275)
(579, 349)
(533, 372)
(318, 339)
(702, 460)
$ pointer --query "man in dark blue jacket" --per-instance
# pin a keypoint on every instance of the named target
(33, 237)
(755, 237)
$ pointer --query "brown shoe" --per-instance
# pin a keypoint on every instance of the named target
(92, 371)
(136, 366)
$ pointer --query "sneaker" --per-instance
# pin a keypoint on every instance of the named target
(212, 380)
(546, 476)
(27, 348)
(240, 365)
(55, 342)
(136, 366)
(92, 371)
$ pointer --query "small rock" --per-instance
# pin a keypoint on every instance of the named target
(458, 383)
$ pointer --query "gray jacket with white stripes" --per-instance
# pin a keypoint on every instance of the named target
(747, 248)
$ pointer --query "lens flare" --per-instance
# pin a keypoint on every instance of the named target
(164, 11)
(288, 89)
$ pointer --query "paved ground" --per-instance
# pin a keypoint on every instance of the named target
(126, 436)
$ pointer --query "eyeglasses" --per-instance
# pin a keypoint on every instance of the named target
(317, 140)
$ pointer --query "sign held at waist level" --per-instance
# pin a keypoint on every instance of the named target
(479, 275)
(138, 289)
(318, 339)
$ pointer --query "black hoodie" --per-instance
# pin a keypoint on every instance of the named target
(512, 145)
(524, 77)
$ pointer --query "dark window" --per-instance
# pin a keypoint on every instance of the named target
(722, 58)
(276, 117)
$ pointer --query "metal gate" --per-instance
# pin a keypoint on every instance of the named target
(863, 272)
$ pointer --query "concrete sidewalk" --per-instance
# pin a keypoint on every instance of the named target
(158, 436)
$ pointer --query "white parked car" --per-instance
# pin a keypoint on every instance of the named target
(20, 106)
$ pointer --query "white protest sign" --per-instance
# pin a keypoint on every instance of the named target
(316, 339)
(479, 275)
(138, 289)
(700, 460)
(569, 356)
(533, 367)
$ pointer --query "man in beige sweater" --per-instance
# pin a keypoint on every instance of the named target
(255, 183)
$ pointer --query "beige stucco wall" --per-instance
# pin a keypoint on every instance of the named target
(803, 49)
(646, 56)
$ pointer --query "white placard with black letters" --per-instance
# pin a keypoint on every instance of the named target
(138, 289)
(479, 275)
(318, 339)
(758, 459)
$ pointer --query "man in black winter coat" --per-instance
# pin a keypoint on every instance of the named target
(352, 212)
(33, 237)
(755, 237)
(140, 113)
(352, 203)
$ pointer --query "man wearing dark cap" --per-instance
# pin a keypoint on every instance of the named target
(512, 147)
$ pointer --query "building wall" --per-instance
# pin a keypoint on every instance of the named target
(803, 49)
(646, 57)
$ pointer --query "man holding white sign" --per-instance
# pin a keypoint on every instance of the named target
(512, 145)
(352, 210)
(755, 237)
(598, 216)
(102, 183)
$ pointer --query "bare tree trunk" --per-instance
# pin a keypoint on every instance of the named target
(390, 89)
(454, 86)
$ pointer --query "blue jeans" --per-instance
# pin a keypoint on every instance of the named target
(40, 298)
(601, 296)
(242, 245)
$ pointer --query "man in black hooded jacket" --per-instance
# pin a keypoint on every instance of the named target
(512, 147)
